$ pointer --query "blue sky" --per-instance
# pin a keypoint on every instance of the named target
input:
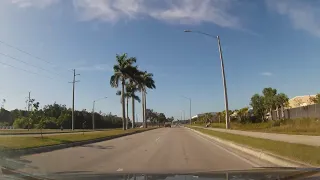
(265, 43)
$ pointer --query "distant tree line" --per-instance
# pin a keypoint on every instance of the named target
(262, 104)
(156, 118)
(55, 116)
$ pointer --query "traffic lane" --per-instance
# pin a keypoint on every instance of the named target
(166, 150)
(181, 151)
(82, 158)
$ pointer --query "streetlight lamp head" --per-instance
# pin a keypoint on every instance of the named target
(187, 31)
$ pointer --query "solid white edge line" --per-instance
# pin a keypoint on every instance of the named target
(230, 152)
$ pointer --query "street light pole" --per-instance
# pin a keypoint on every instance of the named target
(189, 107)
(93, 104)
(224, 86)
(223, 76)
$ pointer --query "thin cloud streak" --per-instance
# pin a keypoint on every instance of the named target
(303, 15)
(266, 74)
(177, 11)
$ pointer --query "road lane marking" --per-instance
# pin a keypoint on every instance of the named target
(236, 155)
(157, 139)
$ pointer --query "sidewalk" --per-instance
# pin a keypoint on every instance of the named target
(298, 139)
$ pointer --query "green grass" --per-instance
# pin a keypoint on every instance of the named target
(37, 131)
(11, 142)
(299, 152)
(303, 126)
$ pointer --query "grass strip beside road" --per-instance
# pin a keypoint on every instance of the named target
(302, 126)
(44, 131)
(11, 143)
(298, 152)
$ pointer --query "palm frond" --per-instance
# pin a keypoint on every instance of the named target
(132, 60)
(137, 98)
(114, 81)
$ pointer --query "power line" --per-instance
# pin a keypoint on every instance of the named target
(28, 63)
(24, 70)
(25, 52)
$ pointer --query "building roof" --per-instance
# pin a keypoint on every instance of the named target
(298, 101)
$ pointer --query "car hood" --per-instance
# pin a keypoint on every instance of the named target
(257, 173)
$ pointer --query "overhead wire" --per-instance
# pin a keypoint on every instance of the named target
(24, 70)
(19, 60)
(25, 52)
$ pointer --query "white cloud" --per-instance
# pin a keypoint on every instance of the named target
(175, 11)
(304, 15)
(34, 3)
(266, 74)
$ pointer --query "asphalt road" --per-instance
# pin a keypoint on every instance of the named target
(165, 150)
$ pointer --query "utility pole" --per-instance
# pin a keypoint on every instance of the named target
(28, 106)
(29, 102)
(73, 89)
(190, 112)
(93, 124)
(224, 85)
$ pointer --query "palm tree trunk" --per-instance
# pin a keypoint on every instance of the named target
(142, 103)
(145, 108)
(123, 106)
(127, 122)
(133, 114)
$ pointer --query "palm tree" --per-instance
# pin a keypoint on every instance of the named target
(123, 70)
(131, 89)
(282, 101)
(145, 81)
(243, 113)
(126, 96)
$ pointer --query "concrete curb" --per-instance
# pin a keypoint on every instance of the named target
(28, 151)
(274, 159)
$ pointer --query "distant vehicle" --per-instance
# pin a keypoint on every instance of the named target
(167, 124)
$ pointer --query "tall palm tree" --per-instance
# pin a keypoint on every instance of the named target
(282, 101)
(131, 89)
(145, 81)
(126, 96)
(123, 70)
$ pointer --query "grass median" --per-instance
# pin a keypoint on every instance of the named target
(11, 142)
(301, 126)
(298, 152)
(44, 131)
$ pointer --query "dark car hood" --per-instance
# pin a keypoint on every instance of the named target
(258, 173)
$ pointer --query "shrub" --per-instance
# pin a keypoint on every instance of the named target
(21, 123)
